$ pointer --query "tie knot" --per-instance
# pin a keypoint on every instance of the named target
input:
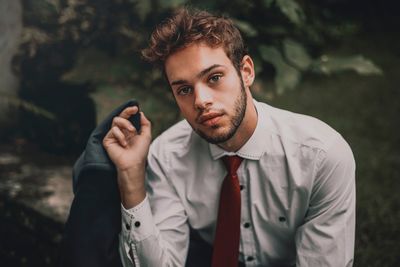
(232, 163)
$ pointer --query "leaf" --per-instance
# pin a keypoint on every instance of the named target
(268, 3)
(274, 30)
(55, 3)
(292, 10)
(358, 63)
(258, 68)
(170, 3)
(34, 34)
(287, 77)
(143, 9)
(246, 28)
(296, 54)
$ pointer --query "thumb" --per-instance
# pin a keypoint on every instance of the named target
(145, 125)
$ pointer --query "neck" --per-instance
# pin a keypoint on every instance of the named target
(245, 130)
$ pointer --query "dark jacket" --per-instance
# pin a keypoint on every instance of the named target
(94, 222)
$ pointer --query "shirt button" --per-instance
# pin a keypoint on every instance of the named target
(127, 226)
(137, 224)
(282, 219)
(246, 225)
(241, 187)
(250, 258)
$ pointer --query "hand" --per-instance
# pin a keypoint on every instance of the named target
(128, 150)
(124, 145)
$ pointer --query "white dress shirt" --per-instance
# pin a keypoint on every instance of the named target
(298, 195)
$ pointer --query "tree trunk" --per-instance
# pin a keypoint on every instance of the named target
(10, 35)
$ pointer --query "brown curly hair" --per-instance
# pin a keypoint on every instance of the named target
(188, 26)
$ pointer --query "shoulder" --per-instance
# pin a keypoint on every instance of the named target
(298, 129)
(177, 142)
(178, 148)
(174, 138)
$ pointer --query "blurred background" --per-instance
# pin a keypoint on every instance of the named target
(65, 64)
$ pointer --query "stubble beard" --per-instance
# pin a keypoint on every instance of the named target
(236, 120)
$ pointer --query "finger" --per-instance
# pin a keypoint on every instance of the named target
(123, 124)
(108, 139)
(129, 111)
(117, 134)
(129, 135)
(145, 125)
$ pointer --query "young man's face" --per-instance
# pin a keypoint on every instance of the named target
(208, 90)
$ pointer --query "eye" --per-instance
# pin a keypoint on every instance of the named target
(215, 78)
(184, 90)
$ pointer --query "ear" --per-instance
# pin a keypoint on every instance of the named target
(247, 71)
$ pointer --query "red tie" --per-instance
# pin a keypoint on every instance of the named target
(227, 236)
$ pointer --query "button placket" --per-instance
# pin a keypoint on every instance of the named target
(247, 240)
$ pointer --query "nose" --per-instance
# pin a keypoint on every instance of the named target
(203, 97)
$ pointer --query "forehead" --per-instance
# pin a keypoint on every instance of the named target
(189, 61)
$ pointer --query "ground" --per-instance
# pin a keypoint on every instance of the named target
(35, 196)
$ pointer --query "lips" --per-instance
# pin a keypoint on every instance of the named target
(209, 118)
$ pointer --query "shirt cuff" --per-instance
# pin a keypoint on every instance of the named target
(137, 222)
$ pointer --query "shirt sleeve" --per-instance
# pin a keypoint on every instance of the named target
(327, 236)
(155, 232)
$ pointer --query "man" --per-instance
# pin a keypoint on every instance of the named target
(264, 186)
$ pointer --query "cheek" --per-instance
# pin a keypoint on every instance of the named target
(232, 91)
(186, 109)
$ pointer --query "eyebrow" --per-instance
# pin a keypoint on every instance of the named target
(199, 75)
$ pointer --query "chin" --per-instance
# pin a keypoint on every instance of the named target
(218, 136)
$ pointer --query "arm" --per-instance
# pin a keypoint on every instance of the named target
(327, 236)
(162, 237)
(145, 240)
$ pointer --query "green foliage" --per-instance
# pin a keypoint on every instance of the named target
(358, 63)
(296, 55)
(246, 28)
(292, 10)
(287, 76)
(291, 38)
(283, 33)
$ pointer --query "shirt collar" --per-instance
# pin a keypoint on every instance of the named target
(254, 148)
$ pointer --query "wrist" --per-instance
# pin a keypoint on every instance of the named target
(131, 167)
(131, 186)
(132, 199)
